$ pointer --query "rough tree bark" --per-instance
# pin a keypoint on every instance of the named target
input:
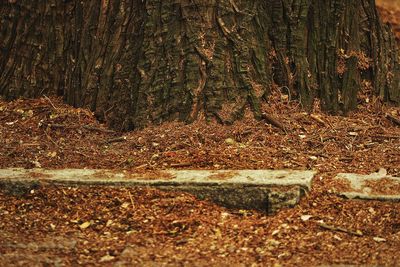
(136, 62)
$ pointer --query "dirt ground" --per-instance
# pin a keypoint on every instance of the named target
(390, 13)
(64, 226)
(105, 226)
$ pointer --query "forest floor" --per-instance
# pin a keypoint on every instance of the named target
(124, 227)
(103, 226)
(390, 13)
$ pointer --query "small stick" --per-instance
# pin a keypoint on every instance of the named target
(273, 121)
(51, 139)
(54, 125)
(235, 7)
(92, 128)
(393, 119)
(182, 164)
(31, 144)
(142, 166)
(318, 119)
(82, 154)
(115, 140)
(87, 127)
(51, 103)
(130, 196)
(340, 229)
(386, 136)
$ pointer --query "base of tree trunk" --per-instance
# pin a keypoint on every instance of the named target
(140, 62)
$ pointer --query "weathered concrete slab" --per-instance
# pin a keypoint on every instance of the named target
(374, 186)
(266, 190)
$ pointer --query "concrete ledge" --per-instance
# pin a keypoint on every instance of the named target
(265, 190)
(374, 186)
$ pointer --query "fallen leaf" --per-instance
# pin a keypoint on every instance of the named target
(85, 225)
(11, 122)
(305, 218)
(52, 154)
(106, 258)
(125, 205)
(379, 239)
(337, 237)
(230, 141)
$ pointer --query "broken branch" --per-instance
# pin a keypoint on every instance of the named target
(273, 121)
(340, 229)
(317, 119)
(393, 119)
(51, 103)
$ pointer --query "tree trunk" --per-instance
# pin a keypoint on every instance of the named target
(136, 62)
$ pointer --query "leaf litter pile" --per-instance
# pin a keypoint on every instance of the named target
(64, 226)
(390, 13)
(104, 226)
(49, 134)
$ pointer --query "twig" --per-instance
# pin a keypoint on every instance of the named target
(273, 121)
(51, 139)
(115, 140)
(82, 154)
(386, 136)
(130, 196)
(289, 93)
(31, 144)
(318, 119)
(55, 125)
(142, 166)
(340, 229)
(51, 103)
(182, 164)
(235, 7)
(87, 127)
(393, 119)
(92, 128)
